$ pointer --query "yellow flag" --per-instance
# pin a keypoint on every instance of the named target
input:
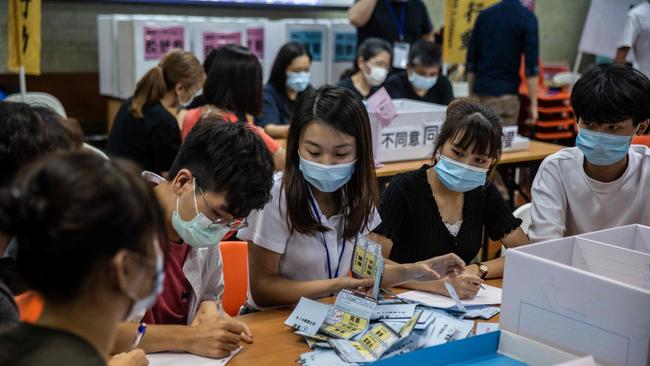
(460, 16)
(24, 35)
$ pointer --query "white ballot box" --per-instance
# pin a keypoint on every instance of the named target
(633, 237)
(142, 41)
(314, 34)
(213, 33)
(582, 296)
(343, 39)
(410, 135)
(107, 53)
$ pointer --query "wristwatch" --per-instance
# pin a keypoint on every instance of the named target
(482, 270)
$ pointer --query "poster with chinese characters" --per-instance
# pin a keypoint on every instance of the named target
(460, 16)
(159, 40)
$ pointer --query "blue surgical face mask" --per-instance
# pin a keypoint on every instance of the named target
(603, 148)
(421, 82)
(298, 81)
(326, 178)
(200, 231)
(459, 177)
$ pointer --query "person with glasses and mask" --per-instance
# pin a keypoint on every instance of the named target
(370, 69)
(422, 81)
(88, 233)
(222, 172)
(301, 242)
(451, 205)
(602, 182)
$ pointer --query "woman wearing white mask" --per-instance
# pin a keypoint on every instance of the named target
(422, 81)
(222, 172)
(146, 129)
(302, 241)
(290, 77)
(88, 234)
(450, 207)
(370, 69)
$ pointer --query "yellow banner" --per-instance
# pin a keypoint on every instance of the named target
(460, 16)
(24, 36)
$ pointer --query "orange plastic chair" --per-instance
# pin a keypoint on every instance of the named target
(641, 140)
(235, 274)
(30, 305)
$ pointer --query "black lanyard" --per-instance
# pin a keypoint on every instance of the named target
(329, 266)
(399, 24)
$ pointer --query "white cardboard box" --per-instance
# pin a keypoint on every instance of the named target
(581, 296)
(314, 34)
(343, 40)
(214, 33)
(147, 38)
(633, 237)
(410, 135)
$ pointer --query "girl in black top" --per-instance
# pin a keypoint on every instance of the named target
(145, 128)
(448, 207)
(87, 231)
(370, 69)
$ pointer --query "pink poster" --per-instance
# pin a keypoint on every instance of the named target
(255, 37)
(157, 41)
(214, 40)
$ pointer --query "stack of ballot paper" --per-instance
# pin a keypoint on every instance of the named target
(357, 329)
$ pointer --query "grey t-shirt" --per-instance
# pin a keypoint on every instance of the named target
(30, 345)
(8, 308)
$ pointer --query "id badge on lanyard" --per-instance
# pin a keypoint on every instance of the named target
(400, 49)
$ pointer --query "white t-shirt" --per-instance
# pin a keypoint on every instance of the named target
(636, 35)
(567, 202)
(303, 256)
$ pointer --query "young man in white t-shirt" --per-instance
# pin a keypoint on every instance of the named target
(636, 36)
(603, 182)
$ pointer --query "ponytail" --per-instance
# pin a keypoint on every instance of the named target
(150, 88)
(177, 66)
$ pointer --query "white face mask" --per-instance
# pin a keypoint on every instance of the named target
(141, 305)
(376, 76)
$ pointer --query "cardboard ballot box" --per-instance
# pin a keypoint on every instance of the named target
(410, 135)
(633, 237)
(582, 296)
(497, 348)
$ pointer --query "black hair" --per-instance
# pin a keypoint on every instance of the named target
(209, 59)
(49, 116)
(234, 81)
(228, 158)
(611, 93)
(286, 55)
(71, 211)
(343, 110)
(370, 48)
(425, 53)
(25, 135)
(476, 124)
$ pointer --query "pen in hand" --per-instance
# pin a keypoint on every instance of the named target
(142, 328)
(219, 306)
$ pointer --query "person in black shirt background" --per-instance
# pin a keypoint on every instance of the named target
(145, 128)
(397, 22)
(370, 69)
(422, 81)
(450, 206)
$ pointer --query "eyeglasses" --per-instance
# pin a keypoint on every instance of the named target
(234, 224)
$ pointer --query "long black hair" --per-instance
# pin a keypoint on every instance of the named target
(341, 109)
(285, 57)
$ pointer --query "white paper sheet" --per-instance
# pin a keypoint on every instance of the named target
(489, 296)
(176, 359)
(482, 328)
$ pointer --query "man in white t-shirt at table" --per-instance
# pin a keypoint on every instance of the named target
(636, 35)
(602, 182)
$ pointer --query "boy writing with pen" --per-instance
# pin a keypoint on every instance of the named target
(221, 173)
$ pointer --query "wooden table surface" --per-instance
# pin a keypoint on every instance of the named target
(537, 150)
(275, 343)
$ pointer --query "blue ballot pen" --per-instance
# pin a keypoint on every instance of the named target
(138, 336)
